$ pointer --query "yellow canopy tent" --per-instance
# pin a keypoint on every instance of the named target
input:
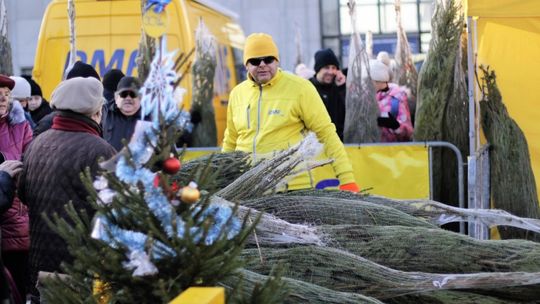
(506, 34)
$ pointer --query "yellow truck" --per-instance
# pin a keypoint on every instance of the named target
(108, 34)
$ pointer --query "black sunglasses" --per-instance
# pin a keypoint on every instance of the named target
(127, 93)
(257, 61)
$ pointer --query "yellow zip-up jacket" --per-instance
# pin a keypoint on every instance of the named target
(275, 116)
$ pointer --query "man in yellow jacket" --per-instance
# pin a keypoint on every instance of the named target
(272, 110)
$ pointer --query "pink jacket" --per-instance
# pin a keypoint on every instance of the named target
(405, 130)
(15, 135)
(14, 138)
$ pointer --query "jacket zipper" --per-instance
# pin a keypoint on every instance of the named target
(258, 122)
(248, 116)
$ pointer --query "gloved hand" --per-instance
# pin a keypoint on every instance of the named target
(351, 187)
(388, 122)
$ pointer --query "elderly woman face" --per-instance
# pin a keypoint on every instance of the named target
(4, 101)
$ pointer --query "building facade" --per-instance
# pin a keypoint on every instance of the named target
(299, 27)
(24, 21)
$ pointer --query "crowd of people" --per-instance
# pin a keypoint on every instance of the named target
(394, 113)
(86, 119)
(45, 146)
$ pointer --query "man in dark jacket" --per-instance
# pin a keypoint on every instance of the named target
(120, 116)
(52, 165)
(330, 83)
(110, 83)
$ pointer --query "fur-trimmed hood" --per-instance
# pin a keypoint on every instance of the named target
(16, 113)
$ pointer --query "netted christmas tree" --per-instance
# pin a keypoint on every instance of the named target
(6, 64)
(152, 236)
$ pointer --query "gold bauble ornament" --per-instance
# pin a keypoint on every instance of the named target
(190, 194)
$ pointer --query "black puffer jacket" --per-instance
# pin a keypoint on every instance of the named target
(117, 126)
(7, 189)
(334, 101)
(50, 179)
(41, 111)
(44, 123)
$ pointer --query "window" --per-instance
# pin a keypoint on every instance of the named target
(379, 17)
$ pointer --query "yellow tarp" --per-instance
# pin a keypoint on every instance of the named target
(511, 47)
(503, 8)
(400, 172)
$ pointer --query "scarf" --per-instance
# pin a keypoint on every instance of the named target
(74, 122)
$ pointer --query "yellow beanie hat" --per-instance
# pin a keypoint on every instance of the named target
(260, 45)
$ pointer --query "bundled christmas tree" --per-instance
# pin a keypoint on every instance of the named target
(6, 65)
(152, 237)
(203, 71)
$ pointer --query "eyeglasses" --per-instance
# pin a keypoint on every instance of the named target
(127, 93)
(257, 61)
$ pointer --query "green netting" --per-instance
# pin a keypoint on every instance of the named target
(214, 171)
(405, 72)
(300, 292)
(436, 107)
(203, 71)
(361, 108)
(332, 211)
(450, 297)
(513, 186)
(343, 271)
(433, 250)
(435, 212)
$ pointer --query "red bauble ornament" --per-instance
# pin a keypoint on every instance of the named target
(171, 165)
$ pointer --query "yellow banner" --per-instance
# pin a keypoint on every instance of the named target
(399, 171)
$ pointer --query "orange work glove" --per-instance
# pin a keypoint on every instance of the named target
(351, 187)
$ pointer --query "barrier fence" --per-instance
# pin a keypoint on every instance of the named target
(404, 171)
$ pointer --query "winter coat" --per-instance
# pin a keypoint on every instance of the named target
(7, 190)
(275, 116)
(44, 123)
(41, 111)
(384, 99)
(15, 135)
(50, 179)
(15, 227)
(117, 126)
(333, 97)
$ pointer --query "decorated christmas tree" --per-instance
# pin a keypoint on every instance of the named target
(153, 235)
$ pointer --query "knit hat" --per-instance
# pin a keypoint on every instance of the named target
(384, 57)
(260, 45)
(21, 89)
(79, 94)
(379, 71)
(81, 69)
(34, 87)
(111, 79)
(6, 82)
(325, 57)
(303, 71)
(129, 83)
